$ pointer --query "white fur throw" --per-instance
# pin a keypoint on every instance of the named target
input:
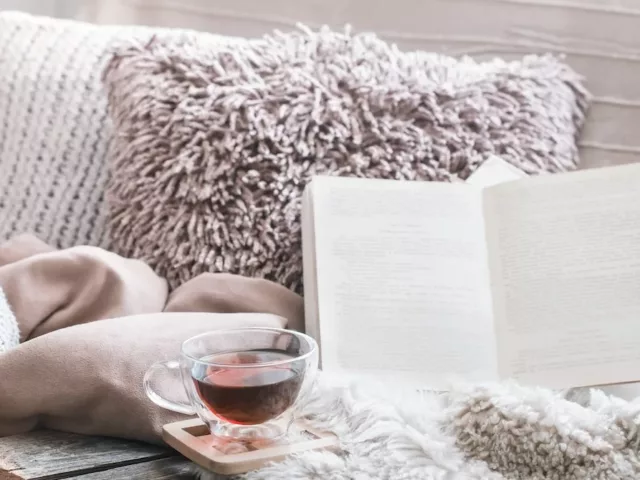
(491, 432)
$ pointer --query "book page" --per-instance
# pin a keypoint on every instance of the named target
(565, 264)
(493, 171)
(402, 278)
(311, 313)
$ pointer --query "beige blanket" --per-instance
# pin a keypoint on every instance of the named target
(91, 323)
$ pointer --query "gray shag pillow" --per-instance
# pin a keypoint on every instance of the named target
(215, 143)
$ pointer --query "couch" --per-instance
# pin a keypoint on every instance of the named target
(55, 135)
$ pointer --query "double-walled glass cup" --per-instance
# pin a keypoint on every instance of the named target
(245, 384)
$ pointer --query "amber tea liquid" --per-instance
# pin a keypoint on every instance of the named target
(248, 395)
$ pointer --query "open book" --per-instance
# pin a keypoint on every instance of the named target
(536, 279)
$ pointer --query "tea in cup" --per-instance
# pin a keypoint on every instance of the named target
(245, 384)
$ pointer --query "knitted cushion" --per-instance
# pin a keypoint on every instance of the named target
(216, 144)
(55, 134)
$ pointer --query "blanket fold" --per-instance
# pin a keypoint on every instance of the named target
(210, 292)
(50, 289)
(91, 323)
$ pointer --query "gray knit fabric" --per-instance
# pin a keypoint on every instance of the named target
(55, 135)
(9, 334)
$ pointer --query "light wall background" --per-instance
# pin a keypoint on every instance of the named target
(51, 8)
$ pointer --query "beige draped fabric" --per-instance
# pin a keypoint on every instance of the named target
(91, 323)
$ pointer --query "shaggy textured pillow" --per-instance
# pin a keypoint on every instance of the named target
(215, 144)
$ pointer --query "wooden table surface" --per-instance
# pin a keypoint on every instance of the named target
(55, 455)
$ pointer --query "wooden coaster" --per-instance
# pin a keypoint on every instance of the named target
(192, 439)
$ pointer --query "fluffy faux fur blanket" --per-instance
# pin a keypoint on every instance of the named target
(489, 432)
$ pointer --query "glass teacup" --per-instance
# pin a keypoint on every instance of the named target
(245, 384)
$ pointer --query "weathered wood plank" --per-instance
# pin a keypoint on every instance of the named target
(176, 468)
(50, 455)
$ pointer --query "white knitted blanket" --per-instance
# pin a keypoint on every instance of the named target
(9, 334)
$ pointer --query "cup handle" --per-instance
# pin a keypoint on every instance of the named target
(173, 368)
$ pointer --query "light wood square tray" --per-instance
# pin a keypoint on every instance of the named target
(192, 439)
